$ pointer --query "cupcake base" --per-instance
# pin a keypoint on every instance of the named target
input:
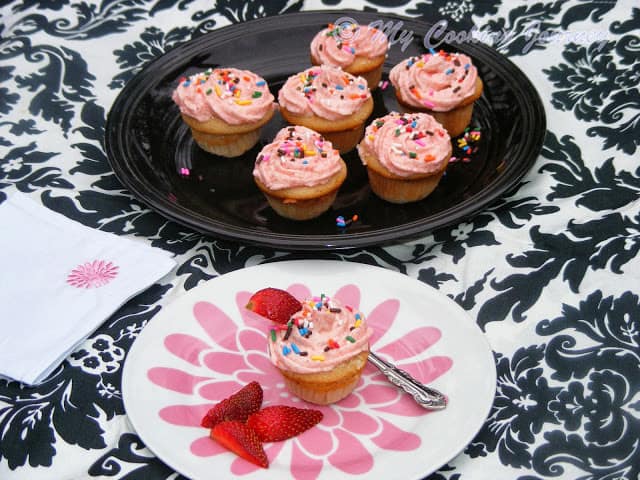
(301, 209)
(220, 138)
(324, 388)
(396, 189)
(232, 145)
(304, 203)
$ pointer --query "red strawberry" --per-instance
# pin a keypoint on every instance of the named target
(279, 422)
(275, 304)
(241, 440)
(238, 406)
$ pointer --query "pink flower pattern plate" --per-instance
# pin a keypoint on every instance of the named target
(205, 345)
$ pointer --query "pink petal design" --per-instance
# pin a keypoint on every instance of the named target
(220, 328)
(260, 361)
(174, 379)
(222, 362)
(304, 467)
(412, 343)
(350, 401)
(206, 447)
(92, 274)
(350, 456)
(300, 291)
(359, 423)
(394, 438)
(316, 441)
(330, 416)
(263, 379)
(349, 295)
(251, 340)
(184, 415)
(377, 393)
(430, 369)
(186, 347)
(382, 317)
(217, 391)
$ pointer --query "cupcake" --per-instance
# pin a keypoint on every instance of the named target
(405, 155)
(299, 173)
(322, 351)
(329, 101)
(357, 49)
(225, 109)
(442, 84)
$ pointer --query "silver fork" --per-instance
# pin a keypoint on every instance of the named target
(426, 397)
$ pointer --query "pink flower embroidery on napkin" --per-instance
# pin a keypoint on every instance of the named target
(92, 274)
(239, 356)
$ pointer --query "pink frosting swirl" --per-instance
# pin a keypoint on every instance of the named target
(339, 45)
(407, 144)
(297, 157)
(232, 95)
(436, 81)
(328, 92)
(338, 333)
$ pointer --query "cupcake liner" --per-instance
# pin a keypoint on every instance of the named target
(400, 190)
(301, 209)
(320, 397)
(345, 140)
(327, 387)
(231, 145)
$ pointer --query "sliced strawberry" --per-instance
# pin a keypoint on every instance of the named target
(241, 440)
(275, 304)
(238, 406)
(279, 422)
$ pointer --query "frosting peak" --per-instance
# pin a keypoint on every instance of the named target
(232, 95)
(339, 45)
(328, 92)
(320, 336)
(437, 81)
(297, 157)
(407, 144)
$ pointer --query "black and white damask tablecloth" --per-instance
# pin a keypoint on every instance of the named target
(549, 272)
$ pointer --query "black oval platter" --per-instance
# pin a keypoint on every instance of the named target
(148, 145)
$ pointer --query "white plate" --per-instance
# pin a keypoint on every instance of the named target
(204, 346)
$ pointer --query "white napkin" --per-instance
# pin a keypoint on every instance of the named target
(60, 281)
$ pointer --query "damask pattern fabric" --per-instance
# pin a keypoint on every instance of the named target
(549, 271)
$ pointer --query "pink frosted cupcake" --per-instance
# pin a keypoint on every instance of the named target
(299, 173)
(357, 49)
(405, 155)
(442, 84)
(322, 353)
(330, 101)
(225, 109)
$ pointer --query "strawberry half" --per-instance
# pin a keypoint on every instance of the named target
(279, 422)
(241, 440)
(275, 304)
(238, 406)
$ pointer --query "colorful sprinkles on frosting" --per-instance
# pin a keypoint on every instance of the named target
(301, 326)
(299, 147)
(229, 85)
(309, 86)
(406, 128)
(456, 72)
